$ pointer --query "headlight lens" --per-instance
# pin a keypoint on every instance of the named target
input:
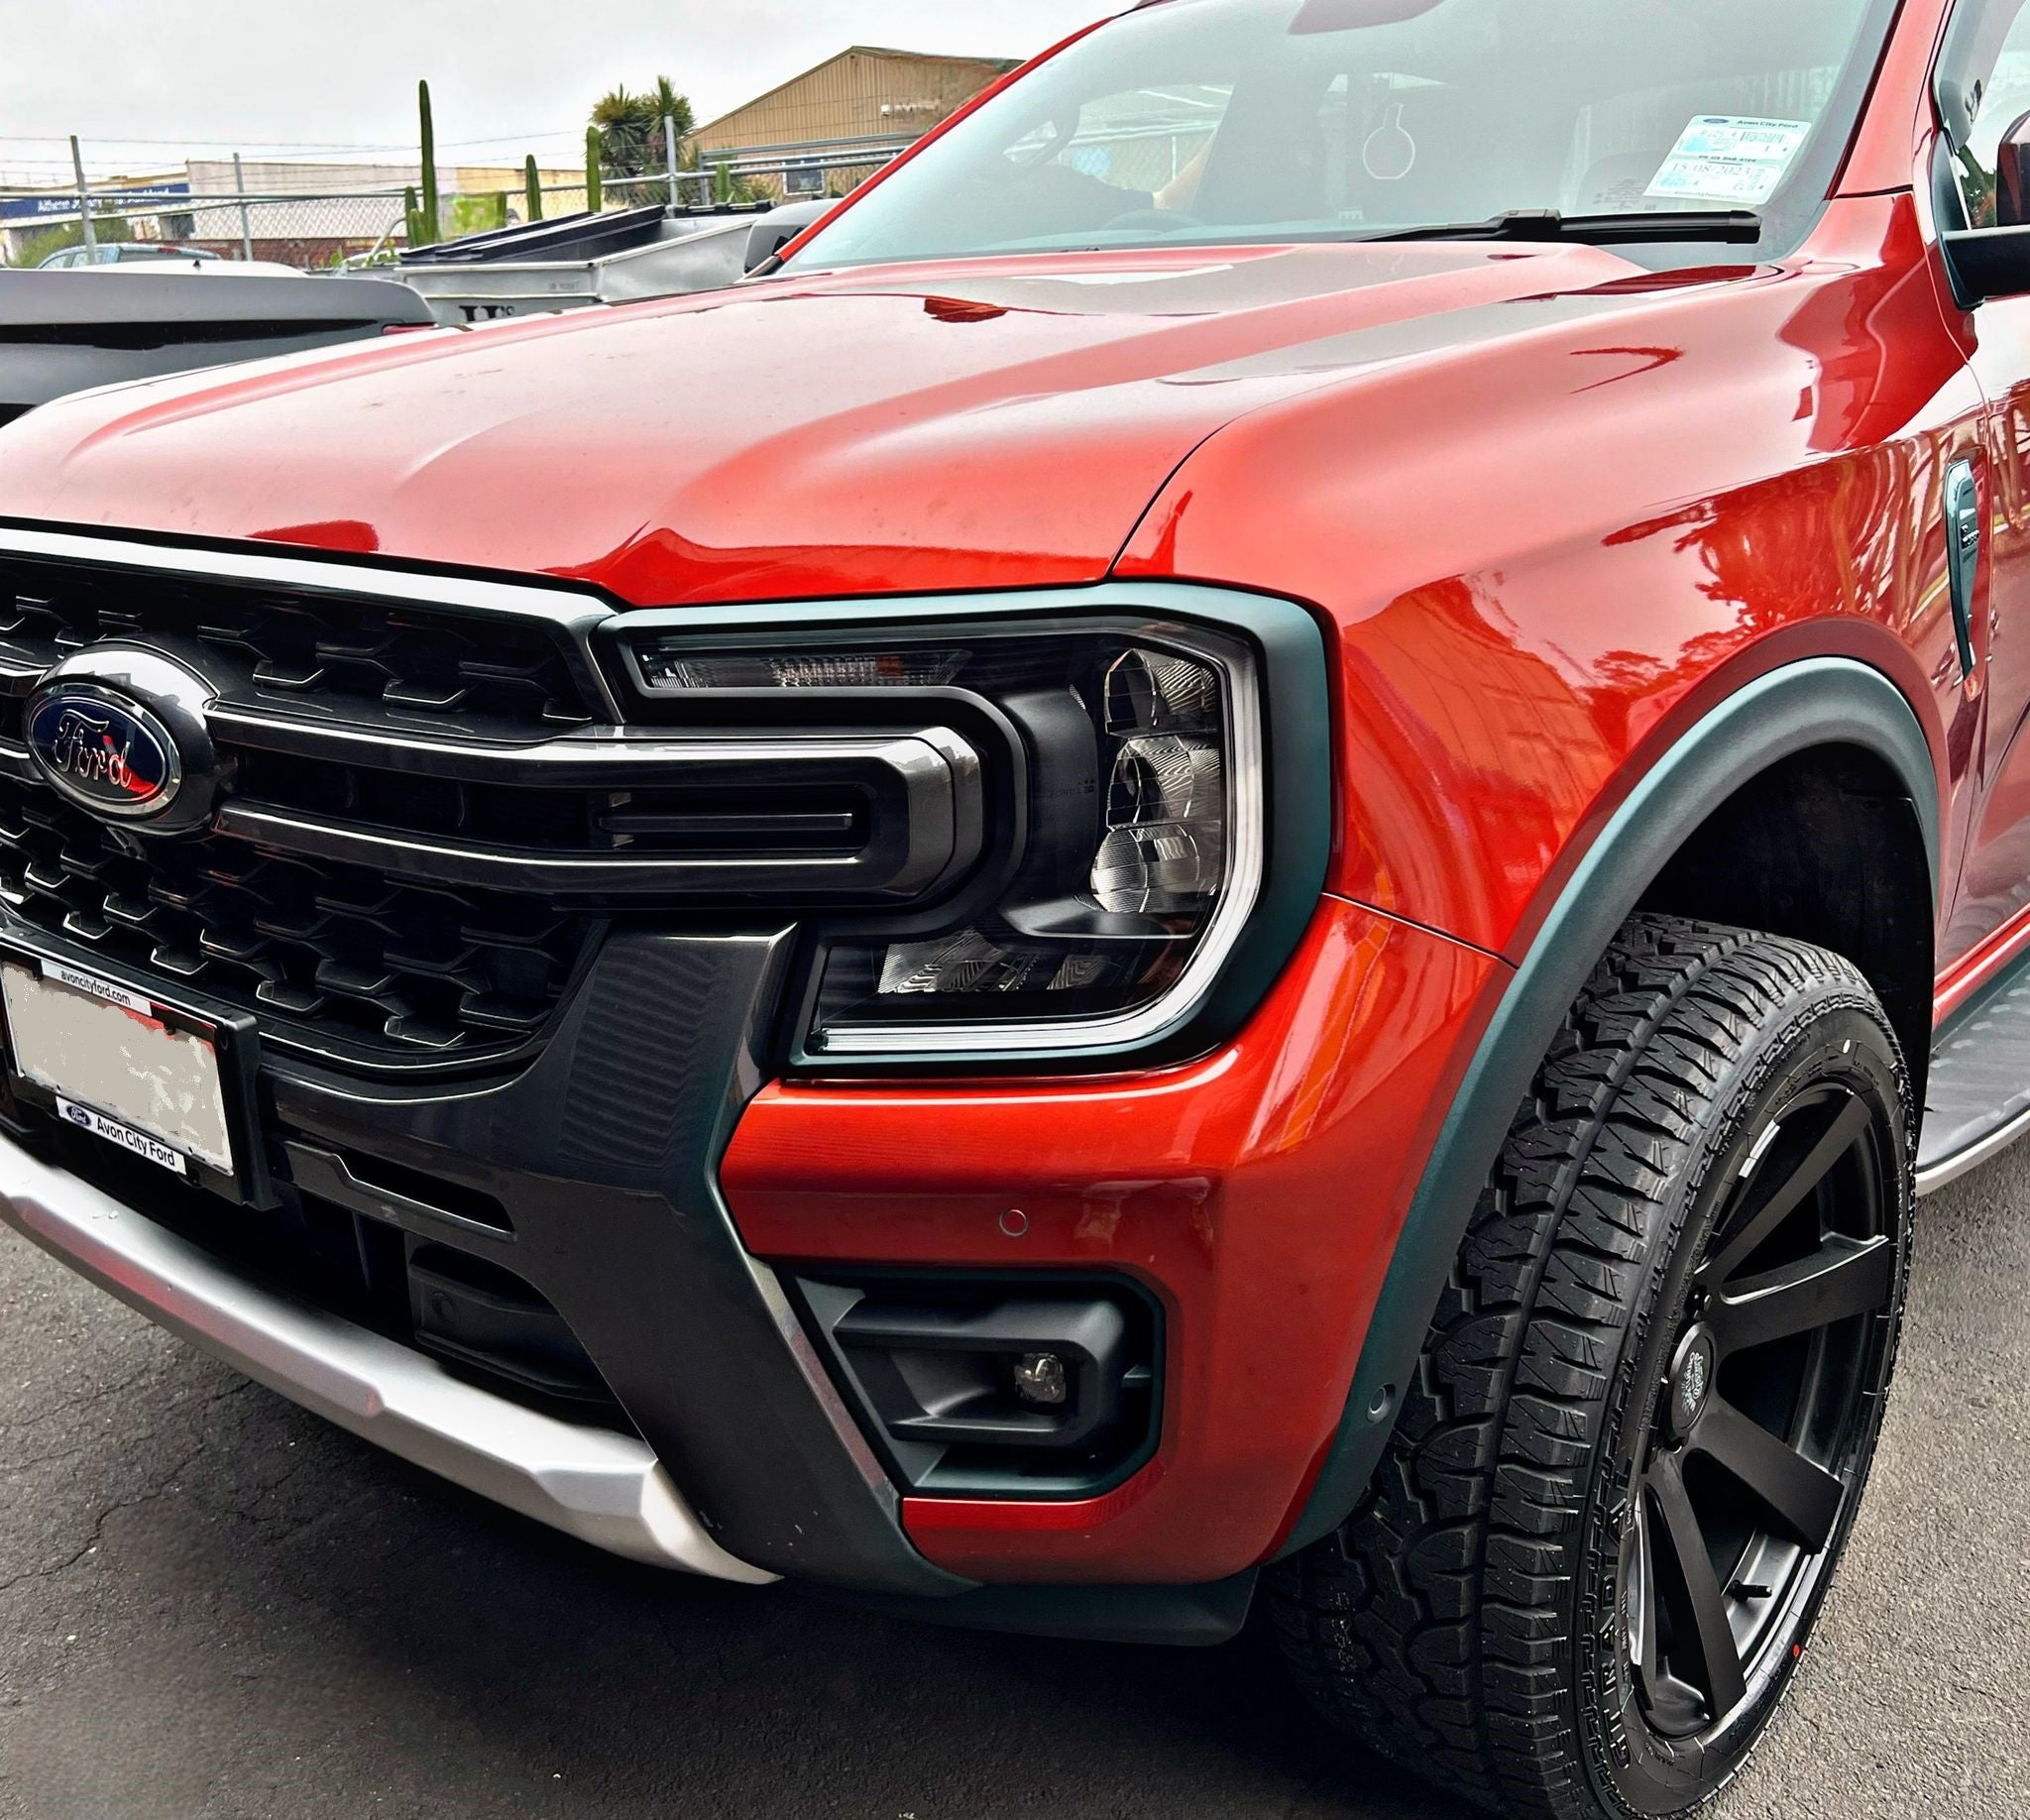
(1134, 749)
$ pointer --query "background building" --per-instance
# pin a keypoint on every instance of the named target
(818, 134)
(865, 104)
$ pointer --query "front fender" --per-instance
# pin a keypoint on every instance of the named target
(1817, 703)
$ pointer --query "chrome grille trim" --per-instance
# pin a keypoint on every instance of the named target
(922, 817)
(577, 611)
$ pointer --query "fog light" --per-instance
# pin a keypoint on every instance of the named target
(985, 1389)
(1039, 1379)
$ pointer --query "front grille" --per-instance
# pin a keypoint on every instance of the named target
(348, 960)
(419, 813)
(340, 959)
(644, 823)
(346, 655)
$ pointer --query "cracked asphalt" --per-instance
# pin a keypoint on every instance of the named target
(212, 1606)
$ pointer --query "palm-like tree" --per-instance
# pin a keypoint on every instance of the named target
(633, 126)
(672, 106)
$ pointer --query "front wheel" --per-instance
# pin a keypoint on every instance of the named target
(1648, 1403)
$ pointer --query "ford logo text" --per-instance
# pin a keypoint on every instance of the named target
(110, 754)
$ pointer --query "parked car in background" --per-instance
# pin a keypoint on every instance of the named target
(59, 333)
(125, 253)
(1240, 858)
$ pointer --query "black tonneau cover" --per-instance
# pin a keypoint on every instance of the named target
(581, 235)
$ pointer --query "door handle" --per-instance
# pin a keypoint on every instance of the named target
(1963, 530)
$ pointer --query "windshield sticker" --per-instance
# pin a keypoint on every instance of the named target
(1722, 158)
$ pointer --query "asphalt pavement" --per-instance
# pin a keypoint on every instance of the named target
(212, 1605)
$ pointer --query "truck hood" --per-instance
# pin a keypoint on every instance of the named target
(901, 429)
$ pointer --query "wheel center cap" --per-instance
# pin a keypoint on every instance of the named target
(1691, 1380)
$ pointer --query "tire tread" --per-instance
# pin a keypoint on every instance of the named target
(1433, 1623)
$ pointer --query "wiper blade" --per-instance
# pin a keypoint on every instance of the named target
(1629, 226)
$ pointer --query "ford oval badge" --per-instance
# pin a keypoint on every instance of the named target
(104, 749)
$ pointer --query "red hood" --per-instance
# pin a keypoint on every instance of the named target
(906, 429)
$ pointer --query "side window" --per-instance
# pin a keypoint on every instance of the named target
(2001, 93)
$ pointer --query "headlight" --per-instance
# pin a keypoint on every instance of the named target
(1129, 854)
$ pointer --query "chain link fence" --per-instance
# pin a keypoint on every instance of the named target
(1137, 161)
(300, 216)
(309, 232)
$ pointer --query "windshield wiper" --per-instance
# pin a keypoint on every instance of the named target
(1549, 225)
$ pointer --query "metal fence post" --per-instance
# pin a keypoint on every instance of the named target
(245, 230)
(669, 149)
(91, 239)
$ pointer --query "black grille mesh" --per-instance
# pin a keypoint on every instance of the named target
(345, 959)
(337, 957)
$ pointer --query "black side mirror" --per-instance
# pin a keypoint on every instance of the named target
(1988, 263)
(776, 229)
(1994, 261)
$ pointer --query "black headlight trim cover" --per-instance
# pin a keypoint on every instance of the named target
(1296, 793)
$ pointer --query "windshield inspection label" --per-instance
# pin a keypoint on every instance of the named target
(1722, 158)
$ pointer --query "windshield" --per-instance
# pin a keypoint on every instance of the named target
(1215, 122)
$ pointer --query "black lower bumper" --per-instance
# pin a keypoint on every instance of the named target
(590, 1176)
(604, 1156)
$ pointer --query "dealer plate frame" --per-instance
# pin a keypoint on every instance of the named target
(235, 1038)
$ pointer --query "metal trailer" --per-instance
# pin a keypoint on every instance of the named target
(584, 259)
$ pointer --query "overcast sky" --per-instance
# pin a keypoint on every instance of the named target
(260, 73)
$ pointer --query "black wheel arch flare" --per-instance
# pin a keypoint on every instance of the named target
(1819, 701)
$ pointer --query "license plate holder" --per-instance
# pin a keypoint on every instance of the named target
(164, 1080)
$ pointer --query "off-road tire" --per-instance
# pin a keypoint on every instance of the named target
(1471, 1618)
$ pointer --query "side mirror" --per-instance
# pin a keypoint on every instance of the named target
(776, 229)
(1988, 263)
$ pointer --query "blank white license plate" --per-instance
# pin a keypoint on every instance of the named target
(116, 1068)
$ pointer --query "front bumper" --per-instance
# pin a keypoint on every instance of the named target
(1256, 1195)
(602, 1487)
(601, 1160)
(661, 1196)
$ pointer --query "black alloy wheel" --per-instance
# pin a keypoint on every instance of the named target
(1634, 1449)
(1761, 1420)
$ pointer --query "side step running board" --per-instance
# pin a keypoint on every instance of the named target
(1979, 1101)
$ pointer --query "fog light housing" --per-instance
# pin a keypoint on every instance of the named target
(993, 1388)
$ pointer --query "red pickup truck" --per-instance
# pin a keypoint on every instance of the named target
(1241, 855)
